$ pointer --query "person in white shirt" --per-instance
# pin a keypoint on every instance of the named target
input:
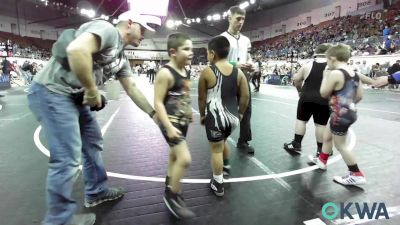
(239, 56)
(152, 71)
(364, 68)
(138, 69)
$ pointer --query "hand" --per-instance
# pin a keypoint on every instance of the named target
(173, 133)
(240, 117)
(381, 82)
(245, 66)
(92, 98)
(203, 120)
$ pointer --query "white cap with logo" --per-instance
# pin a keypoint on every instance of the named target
(143, 20)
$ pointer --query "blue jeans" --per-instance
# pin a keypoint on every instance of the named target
(73, 134)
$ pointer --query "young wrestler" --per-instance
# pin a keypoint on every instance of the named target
(343, 87)
(220, 87)
(308, 82)
(172, 104)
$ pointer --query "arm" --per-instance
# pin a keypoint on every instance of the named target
(80, 60)
(298, 79)
(385, 80)
(161, 86)
(365, 79)
(360, 93)
(136, 95)
(249, 59)
(246, 67)
(329, 82)
(381, 81)
(244, 95)
(202, 88)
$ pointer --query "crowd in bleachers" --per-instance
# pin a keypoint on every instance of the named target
(19, 73)
(200, 56)
(31, 52)
(366, 35)
(26, 47)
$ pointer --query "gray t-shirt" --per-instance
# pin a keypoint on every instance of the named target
(110, 60)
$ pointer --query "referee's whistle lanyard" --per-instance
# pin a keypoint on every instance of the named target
(237, 44)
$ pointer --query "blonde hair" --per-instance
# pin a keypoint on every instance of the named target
(341, 52)
(322, 48)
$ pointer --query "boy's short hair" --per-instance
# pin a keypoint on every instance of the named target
(341, 52)
(176, 40)
(220, 45)
(237, 10)
(322, 48)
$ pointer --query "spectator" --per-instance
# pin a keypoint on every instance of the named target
(26, 71)
(388, 45)
(26, 66)
(6, 66)
(393, 69)
(364, 68)
(351, 64)
(396, 42)
(375, 69)
(386, 31)
(33, 69)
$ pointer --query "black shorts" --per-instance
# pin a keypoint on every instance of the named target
(220, 131)
(342, 120)
(256, 75)
(182, 125)
(319, 112)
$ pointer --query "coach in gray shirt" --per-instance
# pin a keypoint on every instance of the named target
(61, 98)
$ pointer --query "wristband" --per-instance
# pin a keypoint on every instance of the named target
(151, 114)
(233, 63)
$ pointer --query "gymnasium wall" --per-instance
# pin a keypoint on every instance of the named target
(10, 25)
